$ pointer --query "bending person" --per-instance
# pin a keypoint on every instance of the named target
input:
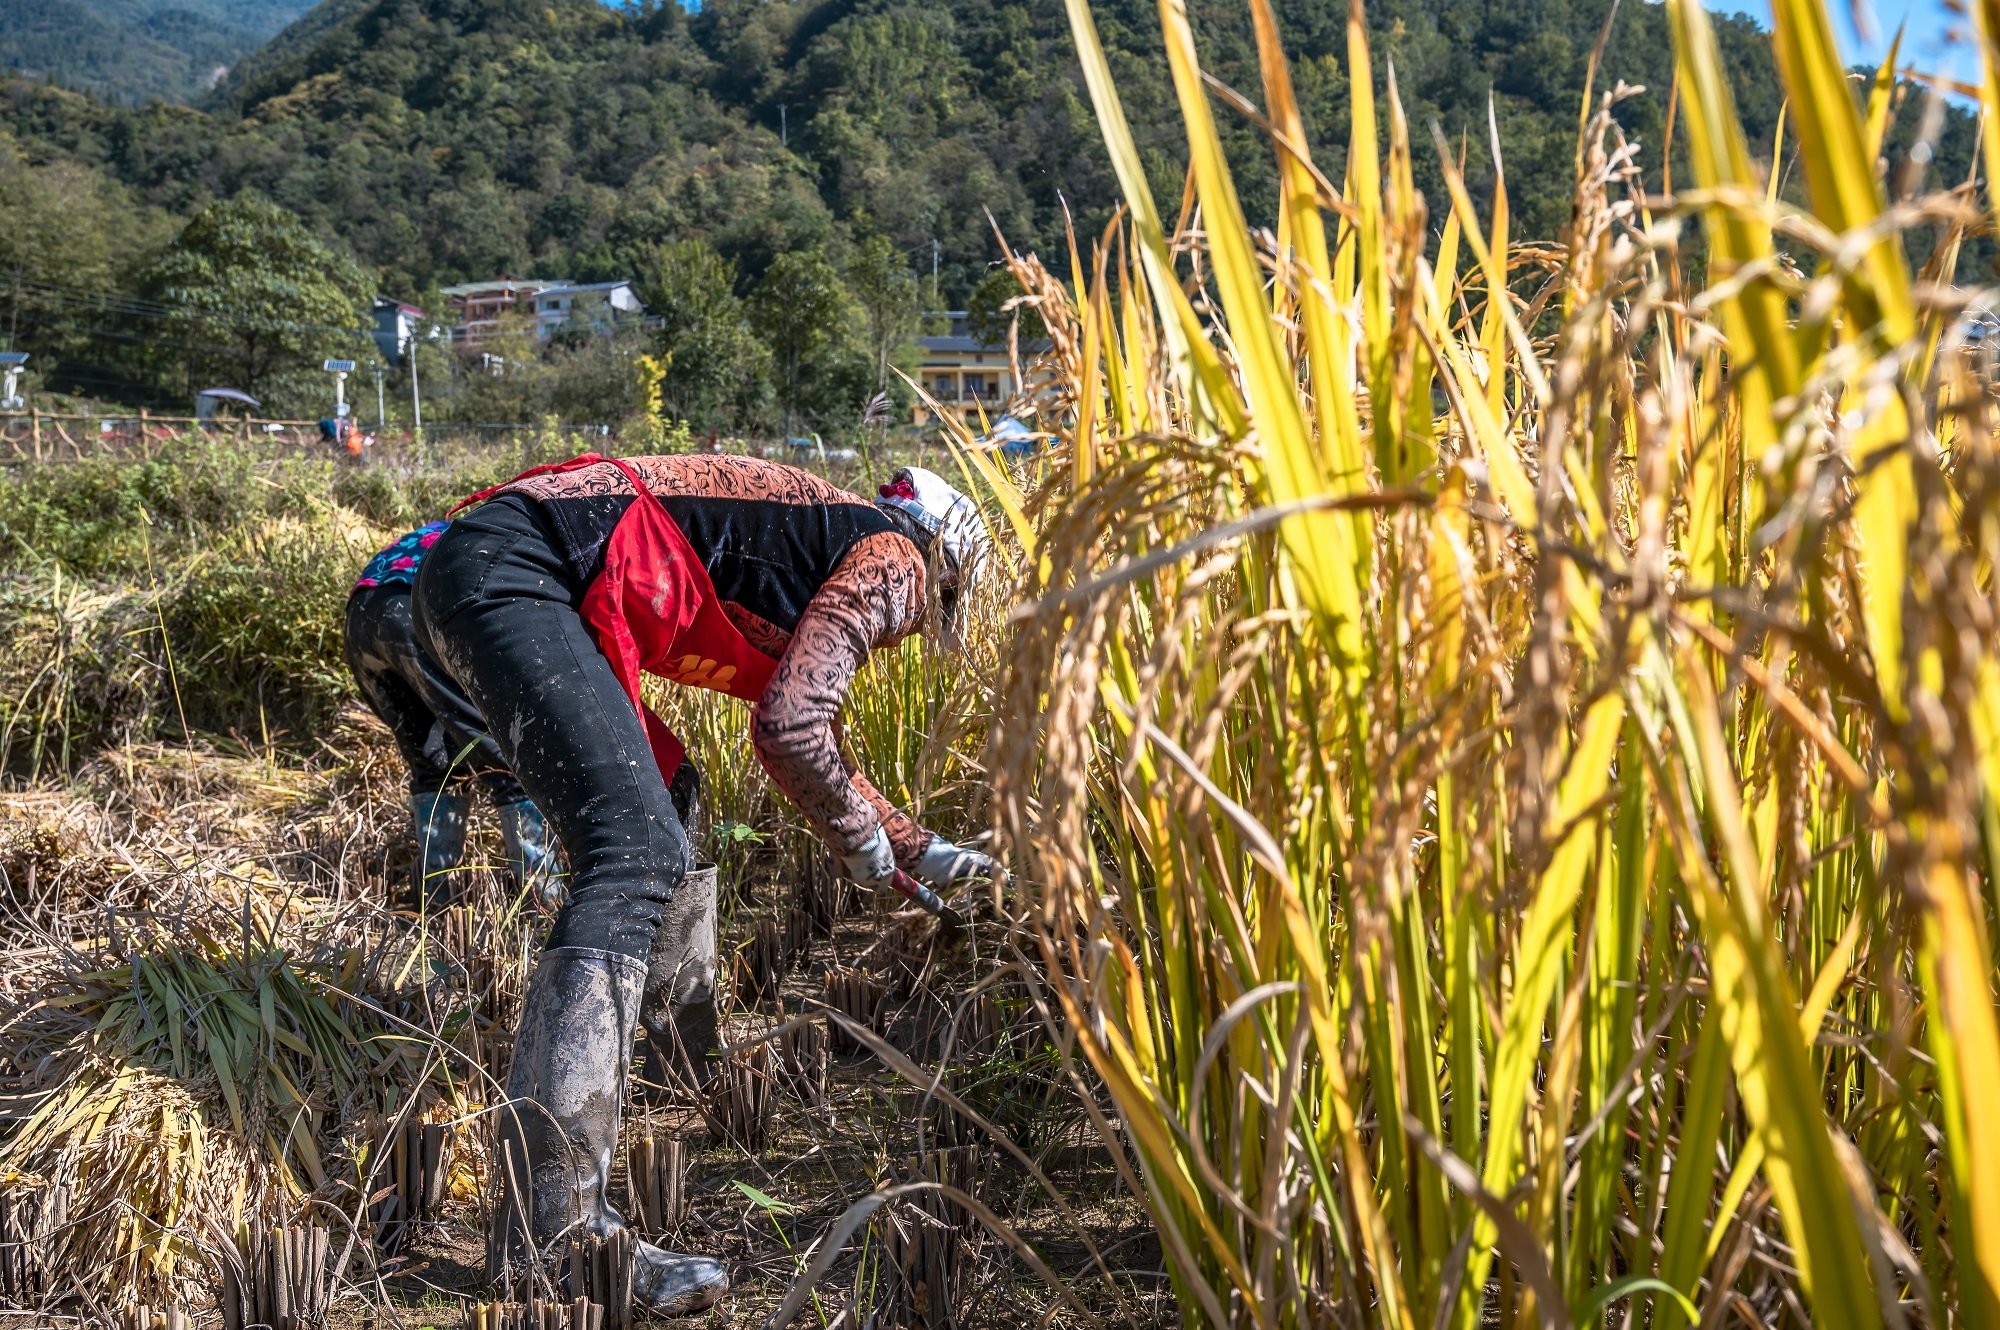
(729, 573)
(440, 734)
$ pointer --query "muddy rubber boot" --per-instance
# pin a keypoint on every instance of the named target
(678, 1011)
(672, 1284)
(531, 852)
(567, 1090)
(440, 820)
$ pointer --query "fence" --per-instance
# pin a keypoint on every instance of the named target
(52, 436)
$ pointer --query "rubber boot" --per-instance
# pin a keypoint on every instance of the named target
(531, 853)
(440, 820)
(678, 1010)
(566, 1088)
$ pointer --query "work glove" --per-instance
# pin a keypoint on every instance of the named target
(943, 864)
(874, 864)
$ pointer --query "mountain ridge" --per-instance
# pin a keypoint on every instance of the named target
(135, 50)
(441, 140)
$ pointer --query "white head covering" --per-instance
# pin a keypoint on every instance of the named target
(943, 511)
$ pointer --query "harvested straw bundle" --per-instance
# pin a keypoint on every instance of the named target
(182, 1084)
(858, 995)
(656, 1182)
(142, 1169)
(84, 669)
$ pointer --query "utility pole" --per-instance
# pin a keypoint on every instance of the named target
(416, 402)
(784, 128)
(936, 249)
(381, 412)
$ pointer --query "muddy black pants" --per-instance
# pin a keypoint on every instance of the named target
(497, 605)
(440, 734)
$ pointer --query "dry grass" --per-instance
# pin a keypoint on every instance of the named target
(159, 850)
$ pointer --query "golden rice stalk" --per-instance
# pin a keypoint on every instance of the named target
(1507, 867)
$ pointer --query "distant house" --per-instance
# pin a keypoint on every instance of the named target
(395, 328)
(596, 307)
(964, 374)
(550, 306)
(479, 306)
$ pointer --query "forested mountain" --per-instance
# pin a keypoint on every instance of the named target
(441, 140)
(132, 50)
(444, 139)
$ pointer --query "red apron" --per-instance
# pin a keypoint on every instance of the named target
(654, 609)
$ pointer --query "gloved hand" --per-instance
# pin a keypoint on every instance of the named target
(874, 864)
(943, 863)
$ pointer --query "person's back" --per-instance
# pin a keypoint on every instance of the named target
(769, 536)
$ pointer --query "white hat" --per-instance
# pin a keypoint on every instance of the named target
(941, 510)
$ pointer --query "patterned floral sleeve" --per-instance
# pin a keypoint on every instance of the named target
(398, 562)
(874, 598)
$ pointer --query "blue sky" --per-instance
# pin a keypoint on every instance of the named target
(1927, 40)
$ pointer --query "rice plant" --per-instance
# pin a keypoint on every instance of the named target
(1502, 749)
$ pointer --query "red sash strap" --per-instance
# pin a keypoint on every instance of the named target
(547, 468)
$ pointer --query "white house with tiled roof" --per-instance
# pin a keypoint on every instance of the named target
(599, 307)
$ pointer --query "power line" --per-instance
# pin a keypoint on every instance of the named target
(67, 296)
(125, 303)
(145, 339)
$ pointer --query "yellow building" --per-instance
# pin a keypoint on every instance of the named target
(964, 374)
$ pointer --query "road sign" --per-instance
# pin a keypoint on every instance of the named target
(339, 366)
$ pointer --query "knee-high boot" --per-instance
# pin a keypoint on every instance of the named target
(532, 851)
(678, 1009)
(567, 1092)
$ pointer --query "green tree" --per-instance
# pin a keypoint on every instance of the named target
(507, 381)
(443, 141)
(886, 289)
(800, 309)
(68, 237)
(253, 300)
(987, 316)
(714, 361)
